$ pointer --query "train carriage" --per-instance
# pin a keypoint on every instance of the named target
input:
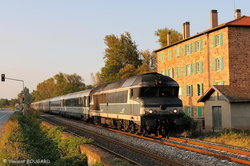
(76, 104)
(146, 103)
(55, 104)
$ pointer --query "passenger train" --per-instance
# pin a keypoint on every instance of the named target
(146, 104)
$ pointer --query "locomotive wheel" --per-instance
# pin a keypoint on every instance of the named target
(145, 133)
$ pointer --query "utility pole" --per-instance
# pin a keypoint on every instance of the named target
(3, 78)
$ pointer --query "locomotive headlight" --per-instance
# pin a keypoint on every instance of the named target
(150, 111)
(175, 111)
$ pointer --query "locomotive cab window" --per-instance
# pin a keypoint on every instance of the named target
(159, 92)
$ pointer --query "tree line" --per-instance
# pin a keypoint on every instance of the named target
(122, 59)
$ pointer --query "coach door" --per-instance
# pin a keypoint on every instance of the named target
(217, 118)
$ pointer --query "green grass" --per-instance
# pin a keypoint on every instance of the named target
(24, 138)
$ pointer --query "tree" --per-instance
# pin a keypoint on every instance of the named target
(121, 55)
(60, 84)
(96, 79)
(162, 34)
(149, 62)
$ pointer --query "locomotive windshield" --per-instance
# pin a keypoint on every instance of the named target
(159, 92)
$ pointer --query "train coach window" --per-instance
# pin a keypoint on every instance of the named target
(117, 97)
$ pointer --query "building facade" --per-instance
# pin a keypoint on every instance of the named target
(217, 56)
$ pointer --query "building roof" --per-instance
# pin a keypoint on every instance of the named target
(231, 94)
(241, 21)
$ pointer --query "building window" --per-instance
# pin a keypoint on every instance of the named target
(218, 63)
(219, 83)
(198, 45)
(188, 90)
(162, 57)
(188, 69)
(218, 40)
(200, 89)
(169, 54)
(188, 49)
(198, 67)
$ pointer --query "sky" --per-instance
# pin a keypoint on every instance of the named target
(40, 38)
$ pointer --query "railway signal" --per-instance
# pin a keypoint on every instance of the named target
(3, 77)
(23, 98)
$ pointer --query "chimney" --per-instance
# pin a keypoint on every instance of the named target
(183, 30)
(213, 18)
(169, 40)
(186, 30)
(187, 27)
(237, 13)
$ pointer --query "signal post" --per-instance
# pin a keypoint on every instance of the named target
(3, 78)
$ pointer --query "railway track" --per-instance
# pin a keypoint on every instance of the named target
(154, 159)
(223, 153)
(220, 152)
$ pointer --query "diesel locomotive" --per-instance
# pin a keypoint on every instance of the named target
(145, 104)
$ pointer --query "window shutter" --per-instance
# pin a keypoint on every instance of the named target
(221, 63)
(178, 71)
(215, 67)
(169, 54)
(191, 112)
(201, 67)
(186, 110)
(185, 90)
(178, 52)
(185, 70)
(200, 44)
(199, 112)
(190, 48)
(195, 46)
(195, 71)
(201, 88)
(185, 53)
(214, 41)
(162, 57)
(221, 38)
(166, 72)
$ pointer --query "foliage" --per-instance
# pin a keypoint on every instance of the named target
(122, 59)
(12, 146)
(162, 34)
(149, 62)
(120, 52)
(59, 85)
(24, 138)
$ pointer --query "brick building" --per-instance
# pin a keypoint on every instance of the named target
(217, 56)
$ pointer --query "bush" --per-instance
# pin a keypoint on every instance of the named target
(24, 138)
